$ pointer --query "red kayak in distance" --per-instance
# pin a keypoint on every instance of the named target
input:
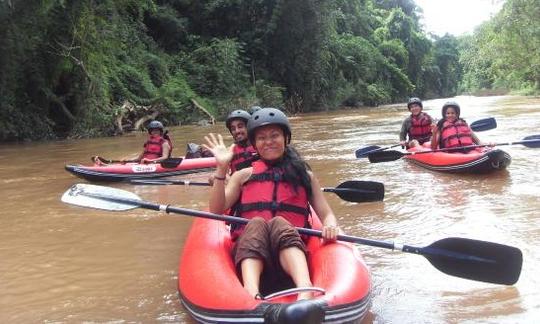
(212, 292)
(130, 171)
(478, 160)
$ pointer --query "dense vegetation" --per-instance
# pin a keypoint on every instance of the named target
(87, 68)
(504, 53)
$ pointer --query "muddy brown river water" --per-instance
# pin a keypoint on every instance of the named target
(65, 264)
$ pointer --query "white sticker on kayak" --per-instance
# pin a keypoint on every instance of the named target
(143, 168)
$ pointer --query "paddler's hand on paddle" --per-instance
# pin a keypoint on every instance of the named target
(222, 153)
(330, 232)
(403, 144)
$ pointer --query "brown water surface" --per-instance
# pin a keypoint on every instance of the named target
(65, 264)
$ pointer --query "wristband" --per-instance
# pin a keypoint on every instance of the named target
(218, 178)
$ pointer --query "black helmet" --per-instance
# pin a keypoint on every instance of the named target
(448, 104)
(414, 100)
(237, 114)
(154, 125)
(268, 116)
(254, 109)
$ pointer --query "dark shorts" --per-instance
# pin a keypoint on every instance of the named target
(264, 240)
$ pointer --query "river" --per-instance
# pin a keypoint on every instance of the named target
(66, 264)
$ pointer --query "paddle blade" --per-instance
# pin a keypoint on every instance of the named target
(359, 191)
(363, 152)
(100, 197)
(384, 156)
(476, 260)
(484, 124)
(535, 141)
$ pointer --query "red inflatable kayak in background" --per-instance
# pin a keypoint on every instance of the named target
(479, 160)
(129, 171)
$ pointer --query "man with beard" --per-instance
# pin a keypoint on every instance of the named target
(243, 151)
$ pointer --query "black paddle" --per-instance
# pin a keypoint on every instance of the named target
(167, 163)
(354, 191)
(460, 257)
(363, 152)
(485, 124)
(532, 141)
(477, 126)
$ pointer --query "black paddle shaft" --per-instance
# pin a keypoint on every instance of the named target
(460, 257)
(353, 191)
(229, 219)
(532, 141)
(168, 163)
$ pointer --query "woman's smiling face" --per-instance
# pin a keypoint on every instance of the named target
(451, 113)
(270, 142)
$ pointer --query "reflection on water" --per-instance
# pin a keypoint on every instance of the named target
(481, 304)
(61, 263)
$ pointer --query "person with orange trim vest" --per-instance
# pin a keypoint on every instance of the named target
(158, 147)
(275, 194)
(453, 131)
(418, 126)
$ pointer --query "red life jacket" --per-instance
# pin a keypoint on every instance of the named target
(420, 129)
(242, 157)
(266, 194)
(153, 148)
(456, 134)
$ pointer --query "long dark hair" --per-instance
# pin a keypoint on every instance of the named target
(295, 170)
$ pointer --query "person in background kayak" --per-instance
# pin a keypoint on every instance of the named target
(417, 127)
(275, 194)
(157, 148)
(453, 131)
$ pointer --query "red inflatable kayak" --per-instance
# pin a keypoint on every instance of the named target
(479, 160)
(211, 291)
(129, 171)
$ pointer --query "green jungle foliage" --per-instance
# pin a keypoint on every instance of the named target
(86, 68)
(504, 53)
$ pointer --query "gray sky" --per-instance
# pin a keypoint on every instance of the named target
(456, 17)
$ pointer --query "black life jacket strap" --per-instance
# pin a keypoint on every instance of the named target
(266, 176)
(273, 206)
(247, 163)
